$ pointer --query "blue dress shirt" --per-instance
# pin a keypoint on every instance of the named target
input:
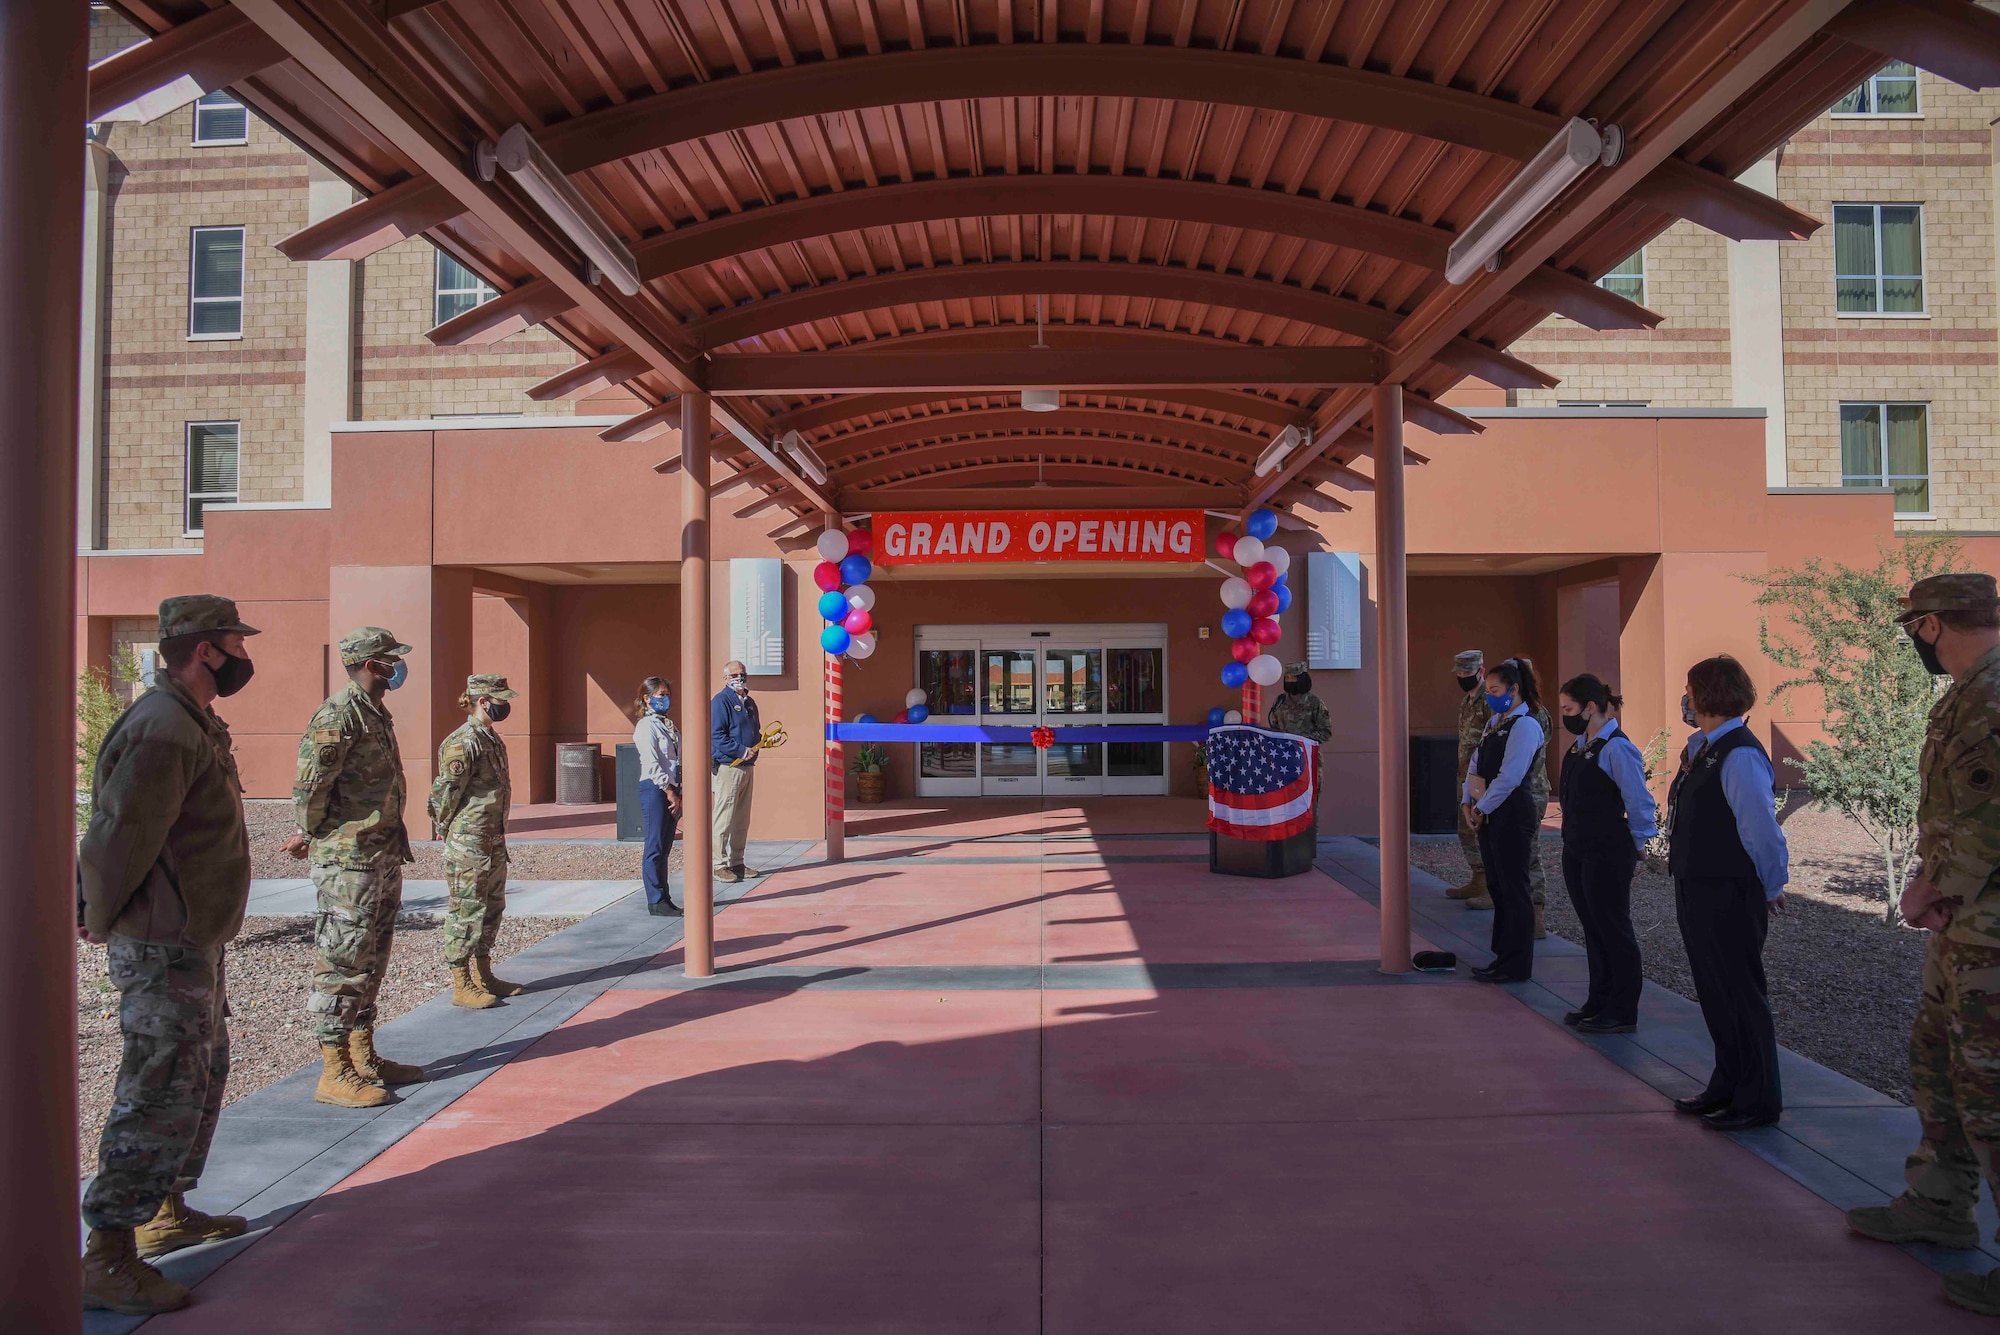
(1522, 743)
(1623, 765)
(1751, 791)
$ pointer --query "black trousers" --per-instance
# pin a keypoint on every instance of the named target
(1506, 842)
(1599, 881)
(1723, 923)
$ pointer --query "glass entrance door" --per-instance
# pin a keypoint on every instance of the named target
(1072, 696)
(1009, 698)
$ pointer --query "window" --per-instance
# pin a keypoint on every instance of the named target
(215, 288)
(1627, 278)
(1891, 92)
(1888, 445)
(221, 119)
(1878, 259)
(458, 289)
(211, 468)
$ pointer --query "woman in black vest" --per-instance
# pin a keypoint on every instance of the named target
(1729, 864)
(1607, 817)
(1498, 807)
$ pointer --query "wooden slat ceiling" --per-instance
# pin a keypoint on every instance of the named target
(813, 176)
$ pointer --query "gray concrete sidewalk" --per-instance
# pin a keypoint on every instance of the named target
(525, 899)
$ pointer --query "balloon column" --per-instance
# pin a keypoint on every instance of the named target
(1253, 601)
(849, 613)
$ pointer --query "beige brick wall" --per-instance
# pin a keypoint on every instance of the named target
(137, 634)
(111, 32)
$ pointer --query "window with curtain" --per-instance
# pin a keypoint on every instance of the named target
(211, 468)
(221, 119)
(1891, 91)
(1878, 259)
(215, 283)
(1628, 278)
(1888, 445)
(458, 289)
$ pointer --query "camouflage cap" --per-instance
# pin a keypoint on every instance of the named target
(486, 683)
(194, 613)
(1969, 592)
(358, 646)
(1468, 663)
(1297, 669)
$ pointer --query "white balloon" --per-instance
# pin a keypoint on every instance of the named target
(1249, 551)
(913, 697)
(832, 545)
(1266, 670)
(1280, 559)
(1236, 591)
(1233, 716)
(861, 645)
(862, 597)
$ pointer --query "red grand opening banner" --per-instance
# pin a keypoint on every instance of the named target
(956, 537)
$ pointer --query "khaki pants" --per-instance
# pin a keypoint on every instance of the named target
(732, 814)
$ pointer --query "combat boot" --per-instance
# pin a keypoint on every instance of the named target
(482, 969)
(466, 991)
(116, 1280)
(179, 1225)
(341, 1085)
(371, 1065)
(1474, 888)
(1911, 1219)
(1975, 1293)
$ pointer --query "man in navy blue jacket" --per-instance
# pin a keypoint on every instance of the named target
(733, 730)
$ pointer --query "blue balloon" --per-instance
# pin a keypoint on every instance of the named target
(918, 713)
(1284, 598)
(1216, 716)
(835, 639)
(1234, 674)
(865, 718)
(1236, 623)
(855, 569)
(1262, 525)
(833, 606)
(1279, 582)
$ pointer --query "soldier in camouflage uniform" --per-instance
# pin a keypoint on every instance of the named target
(1538, 793)
(348, 801)
(1467, 669)
(1954, 621)
(468, 808)
(1298, 711)
(163, 876)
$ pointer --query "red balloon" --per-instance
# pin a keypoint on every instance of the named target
(1245, 648)
(902, 716)
(860, 542)
(858, 621)
(1261, 575)
(1265, 630)
(1263, 603)
(827, 575)
(1225, 545)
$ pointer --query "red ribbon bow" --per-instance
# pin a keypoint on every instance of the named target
(1044, 738)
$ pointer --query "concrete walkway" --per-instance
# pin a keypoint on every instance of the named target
(1039, 1071)
(525, 899)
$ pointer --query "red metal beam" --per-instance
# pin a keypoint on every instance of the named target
(530, 304)
(1125, 423)
(1581, 300)
(1222, 364)
(1727, 207)
(599, 373)
(1959, 41)
(1229, 402)
(215, 50)
(1031, 453)
(986, 473)
(934, 493)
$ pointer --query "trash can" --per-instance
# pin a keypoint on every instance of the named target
(576, 773)
(631, 820)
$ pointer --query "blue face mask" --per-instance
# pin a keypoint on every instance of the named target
(1500, 704)
(660, 704)
(400, 675)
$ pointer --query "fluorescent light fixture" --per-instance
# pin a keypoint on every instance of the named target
(802, 454)
(1275, 453)
(1571, 153)
(544, 182)
(1041, 400)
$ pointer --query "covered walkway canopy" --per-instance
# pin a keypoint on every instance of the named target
(872, 223)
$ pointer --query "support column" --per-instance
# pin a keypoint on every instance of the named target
(1392, 676)
(329, 388)
(90, 386)
(44, 50)
(697, 796)
(836, 773)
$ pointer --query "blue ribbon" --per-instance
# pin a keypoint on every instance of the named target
(972, 732)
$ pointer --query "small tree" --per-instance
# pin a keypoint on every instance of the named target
(1843, 639)
(99, 702)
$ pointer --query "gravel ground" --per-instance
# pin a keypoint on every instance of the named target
(528, 860)
(1844, 986)
(269, 966)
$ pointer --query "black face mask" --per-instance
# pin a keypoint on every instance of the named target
(1575, 723)
(1926, 652)
(233, 675)
(1467, 684)
(1298, 685)
(496, 710)
(1687, 712)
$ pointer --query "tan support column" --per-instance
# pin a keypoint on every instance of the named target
(329, 387)
(90, 389)
(697, 797)
(1392, 676)
(44, 50)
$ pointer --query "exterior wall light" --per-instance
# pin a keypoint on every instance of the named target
(1280, 448)
(544, 182)
(1575, 148)
(1041, 400)
(802, 454)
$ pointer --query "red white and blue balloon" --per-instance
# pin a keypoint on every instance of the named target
(849, 613)
(1253, 600)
